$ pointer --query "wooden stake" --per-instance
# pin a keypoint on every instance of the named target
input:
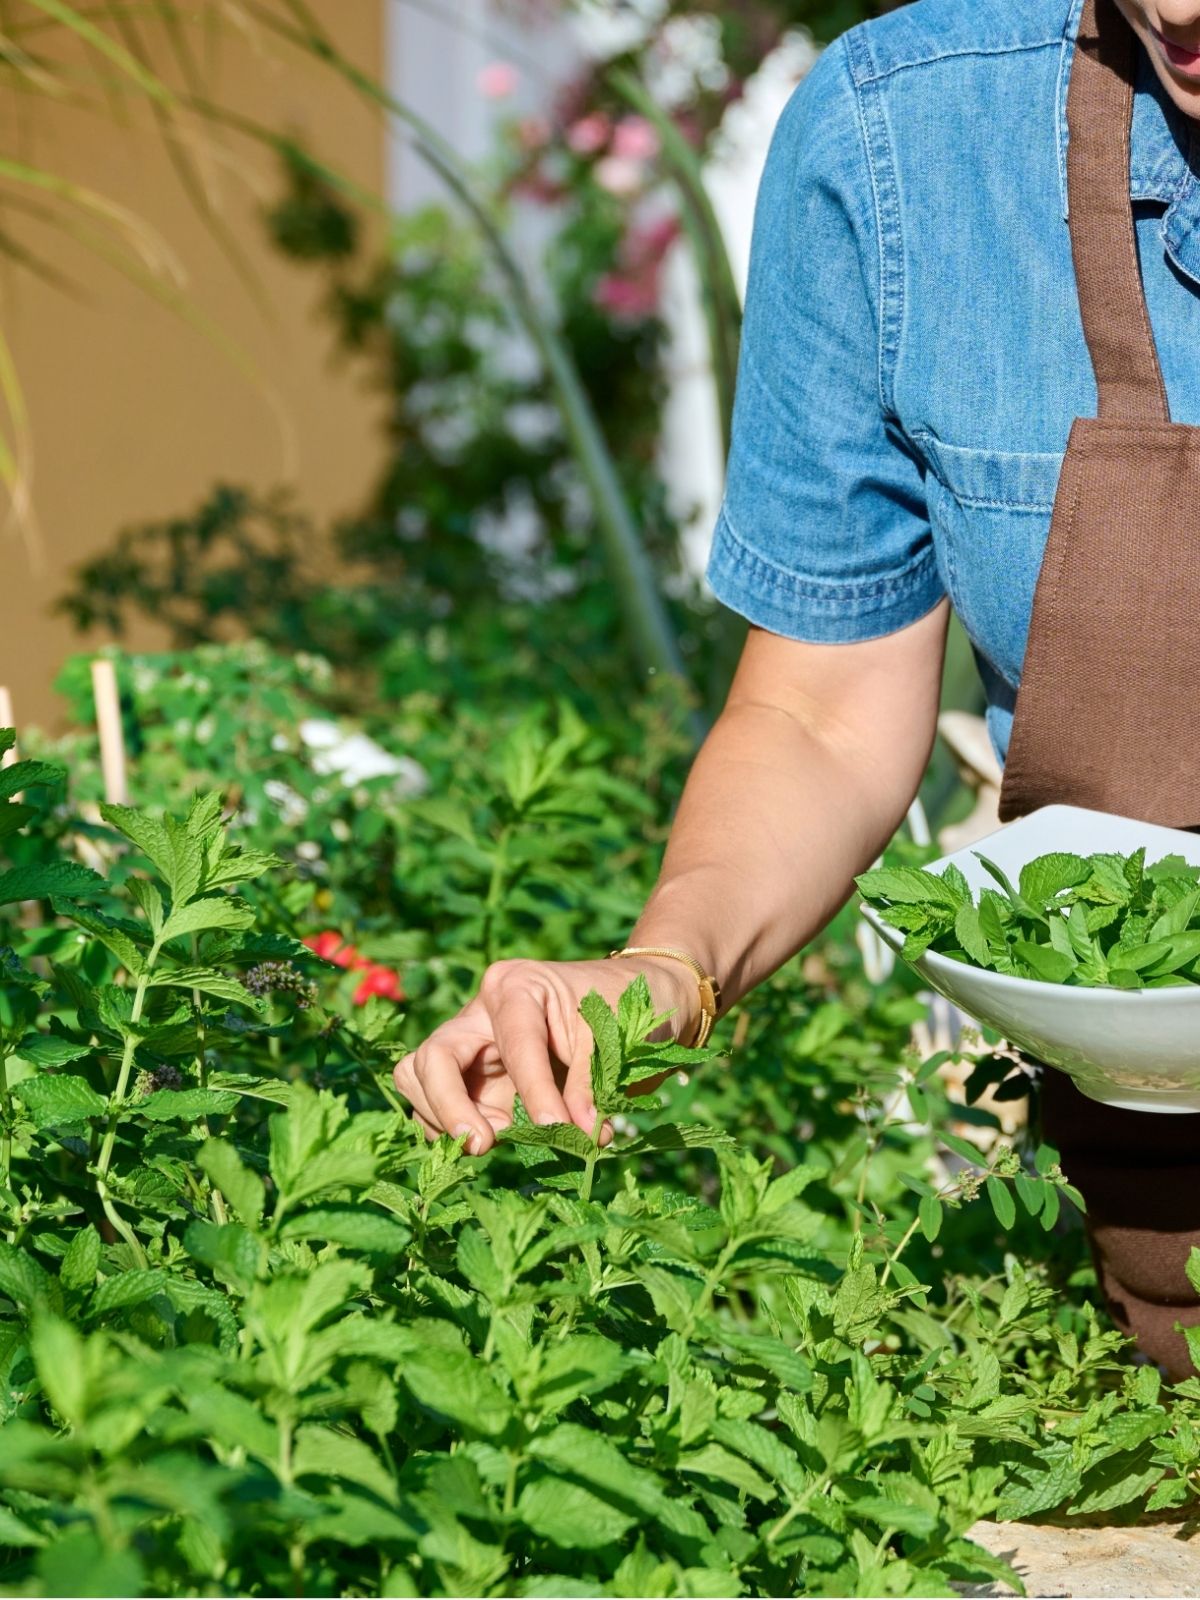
(112, 737)
(7, 720)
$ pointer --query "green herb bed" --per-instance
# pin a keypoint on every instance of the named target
(792, 1333)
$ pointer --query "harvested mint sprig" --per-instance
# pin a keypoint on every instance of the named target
(1095, 921)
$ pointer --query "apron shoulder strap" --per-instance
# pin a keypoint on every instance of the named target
(1112, 301)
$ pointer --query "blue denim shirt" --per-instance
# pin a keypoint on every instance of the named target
(913, 355)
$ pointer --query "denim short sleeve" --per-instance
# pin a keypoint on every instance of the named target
(824, 533)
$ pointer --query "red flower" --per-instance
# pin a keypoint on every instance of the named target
(329, 947)
(376, 979)
(381, 981)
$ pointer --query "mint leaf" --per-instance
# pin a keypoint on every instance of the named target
(44, 880)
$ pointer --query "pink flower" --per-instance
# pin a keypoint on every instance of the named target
(499, 80)
(634, 290)
(628, 299)
(647, 243)
(619, 175)
(589, 135)
(635, 139)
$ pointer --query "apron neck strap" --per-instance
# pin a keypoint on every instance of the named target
(1112, 300)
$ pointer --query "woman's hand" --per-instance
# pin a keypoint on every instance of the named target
(522, 1034)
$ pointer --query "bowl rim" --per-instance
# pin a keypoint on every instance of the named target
(1075, 994)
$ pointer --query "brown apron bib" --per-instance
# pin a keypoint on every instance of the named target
(1107, 715)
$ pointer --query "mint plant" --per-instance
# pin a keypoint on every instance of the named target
(791, 1332)
(1098, 921)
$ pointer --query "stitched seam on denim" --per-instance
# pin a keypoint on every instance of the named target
(955, 55)
(784, 580)
(1067, 55)
(889, 233)
(982, 504)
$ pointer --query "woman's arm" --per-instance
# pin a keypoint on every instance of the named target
(809, 772)
(806, 775)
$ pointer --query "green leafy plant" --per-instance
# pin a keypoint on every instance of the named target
(1098, 921)
(792, 1331)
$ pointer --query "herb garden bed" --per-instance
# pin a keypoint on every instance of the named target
(794, 1332)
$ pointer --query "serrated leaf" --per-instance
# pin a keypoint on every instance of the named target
(968, 930)
(184, 1105)
(582, 1364)
(206, 981)
(146, 893)
(228, 1250)
(1044, 962)
(452, 1382)
(1046, 877)
(50, 1050)
(125, 1289)
(908, 886)
(53, 1100)
(119, 937)
(185, 854)
(570, 1515)
(1116, 1481)
(565, 1137)
(82, 1260)
(45, 880)
(676, 1136)
(147, 833)
(242, 1188)
(213, 911)
(359, 1229)
(28, 775)
(606, 1052)
(714, 1461)
(58, 1354)
(324, 1453)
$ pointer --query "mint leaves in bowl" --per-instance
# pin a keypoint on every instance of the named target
(1074, 933)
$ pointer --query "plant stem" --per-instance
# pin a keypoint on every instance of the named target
(711, 1280)
(589, 1169)
(510, 1487)
(899, 1251)
(114, 1115)
(798, 1506)
(6, 1112)
(216, 1199)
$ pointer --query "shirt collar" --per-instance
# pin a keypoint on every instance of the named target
(1159, 166)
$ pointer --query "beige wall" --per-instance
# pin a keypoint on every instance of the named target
(134, 414)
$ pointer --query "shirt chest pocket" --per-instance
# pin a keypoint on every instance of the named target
(990, 512)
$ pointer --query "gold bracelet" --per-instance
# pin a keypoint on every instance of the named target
(710, 989)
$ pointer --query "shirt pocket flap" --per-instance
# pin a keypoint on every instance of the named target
(995, 480)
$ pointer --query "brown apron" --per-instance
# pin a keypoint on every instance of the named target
(1107, 715)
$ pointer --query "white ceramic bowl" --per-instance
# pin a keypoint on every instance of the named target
(1134, 1048)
